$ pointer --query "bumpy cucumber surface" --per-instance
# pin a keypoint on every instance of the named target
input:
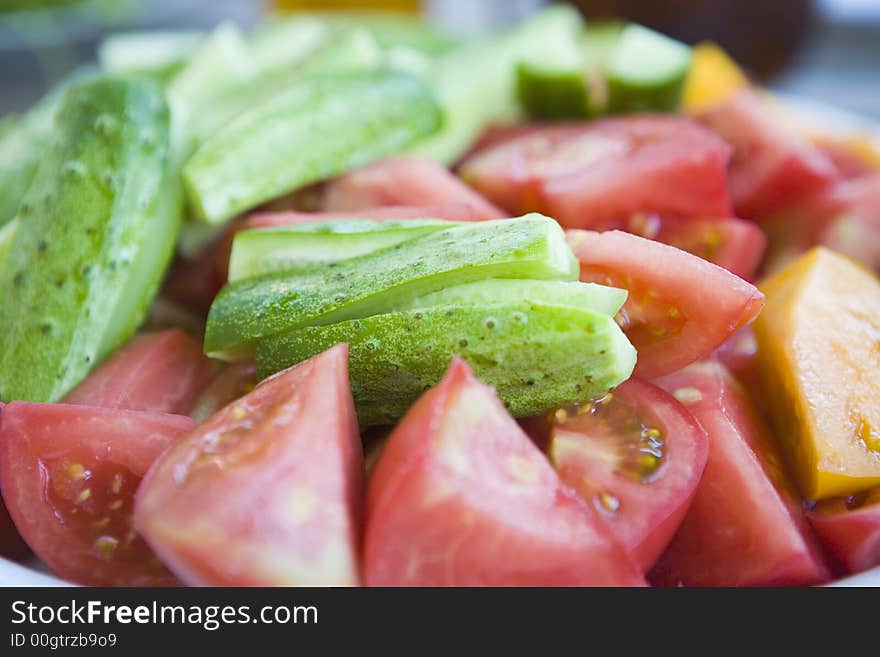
(98, 226)
(322, 127)
(589, 296)
(528, 247)
(289, 248)
(537, 356)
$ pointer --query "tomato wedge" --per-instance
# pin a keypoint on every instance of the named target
(232, 382)
(11, 545)
(745, 526)
(461, 497)
(679, 308)
(739, 355)
(853, 226)
(849, 528)
(163, 372)
(636, 455)
(68, 475)
(585, 174)
(268, 491)
(404, 180)
(772, 166)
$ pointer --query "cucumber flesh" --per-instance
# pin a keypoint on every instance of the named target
(588, 296)
(647, 71)
(531, 247)
(536, 356)
(322, 127)
(156, 52)
(289, 248)
(553, 85)
(97, 229)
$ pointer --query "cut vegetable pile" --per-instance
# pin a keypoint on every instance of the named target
(349, 301)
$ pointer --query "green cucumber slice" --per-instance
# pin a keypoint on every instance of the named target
(553, 85)
(156, 52)
(589, 296)
(320, 128)
(97, 229)
(536, 356)
(291, 248)
(646, 72)
(533, 246)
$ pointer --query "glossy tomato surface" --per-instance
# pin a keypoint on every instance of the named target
(636, 456)
(68, 475)
(680, 307)
(461, 497)
(586, 174)
(164, 372)
(11, 544)
(849, 528)
(772, 166)
(267, 491)
(406, 180)
(745, 526)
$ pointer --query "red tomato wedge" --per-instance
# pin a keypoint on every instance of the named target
(586, 174)
(268, 491)
(11, 545)
(853, 226)
(164, 372)
(772, 166)
(636, 456)
(735, 244)
(68, 475)
(739, 354)
(849, 528)
(745, 526)
(233, 382)
(404, 180)
(679, 308)
(461, 497)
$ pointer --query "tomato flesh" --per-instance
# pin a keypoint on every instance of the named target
(403, 181)
(68, 475)
(772, 166)
(585, 174)
(232, 382)
(266, 492)
(636, 456)
(11, 544)
(745, 526)
(679, 307)
(164, 372)
(461, 497)
(849, 528)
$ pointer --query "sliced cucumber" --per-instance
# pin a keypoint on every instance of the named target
(288, 248)
(97, 229)
(157, 52)
(322, 127)
(588, 296)
(553, 85)
(245, 311)
(536, 356)
(646, 72)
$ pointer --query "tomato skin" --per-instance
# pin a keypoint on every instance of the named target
(680, 307)
(164, 372)
(461, 497)
(647, 511)
(849, 528)
(585, 174)
(772, 166)
(66, 469)
(405, 180)
(739, 355)
(11, 544)
(267, 491)
(745, 526)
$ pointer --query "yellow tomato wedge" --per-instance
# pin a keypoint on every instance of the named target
(819, 350)
(713, 78)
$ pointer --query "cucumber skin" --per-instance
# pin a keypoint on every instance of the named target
(98, 226)
(262, 251)
(322, 127)
(536, 356)
(377, 282)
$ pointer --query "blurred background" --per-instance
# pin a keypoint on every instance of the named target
(826, 50)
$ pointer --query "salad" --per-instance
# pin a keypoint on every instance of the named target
(349, 301)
